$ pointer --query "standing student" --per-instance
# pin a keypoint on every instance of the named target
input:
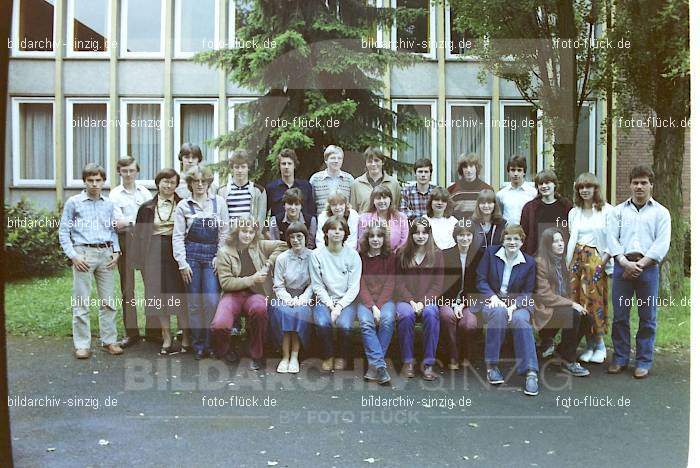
(335, 277)
(414, 197)
(464, 192)
(290, 313)
(242, 196)
(288, 163)
(331, 179)
(244, 267)
(419, 284)
(127, 198)
(457, 320)
(87, 236)
(553, 308)
(440, 218)
(153, 239)
(506, 279)
(293, 201)
(375, 305)
(201, 224)
(337, 205)
(639, 236)
(487, 222)
(512, 197)
(190, 156)
(373, 177)
(382, 213)
(548, 209)
(590, 262)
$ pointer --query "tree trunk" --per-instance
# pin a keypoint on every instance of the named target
(564, 160)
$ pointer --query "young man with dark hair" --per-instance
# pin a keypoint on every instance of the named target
(292, 201)
(243, 197)
(639, 236)
(414, 197)
(127, 198)
(287, 162)
(88, 237)
(548, 209)
(465, 191)
(513, 196)
(374, 176)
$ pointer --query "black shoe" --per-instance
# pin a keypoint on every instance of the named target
(129, 341)
(232, 357)
(199, 355)
(383, 377)
(255, 364)
(371, 374)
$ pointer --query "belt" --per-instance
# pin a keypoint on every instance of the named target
(103, 245)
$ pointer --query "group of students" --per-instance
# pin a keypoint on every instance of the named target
(455, 259)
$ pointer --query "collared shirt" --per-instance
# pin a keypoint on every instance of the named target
(184, 219)
(164, 217)
(646, 231)
(87, 221)
(126, 203)
(508, 268)
(277, 232)
(292, 278)
(323, 185)
(238, 199)
(511, 200)
(275, 191)
(362, 190)
(414, 204)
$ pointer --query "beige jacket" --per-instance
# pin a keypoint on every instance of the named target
(362, 189)
(228, 265)
(545, 298)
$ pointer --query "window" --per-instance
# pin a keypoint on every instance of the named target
(196, 121)
(33, 141)
(33, 27)
(142, 135)
(462, 42)
(88, 27)
(238, 115)
(422, 142)
(196, 26)
(143, 28)
(238, 11)
(468, 131)
(586, 140)
(414, 30)
(87, 137)
(521, 133)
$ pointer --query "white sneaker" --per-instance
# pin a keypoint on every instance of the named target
(599, 355)
(293, 366)
(283, 366)
(586, 355)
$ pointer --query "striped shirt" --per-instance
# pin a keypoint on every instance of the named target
(323, 185)
(238, 200)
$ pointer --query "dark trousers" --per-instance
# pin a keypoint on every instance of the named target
(568, 320)
(127, 282)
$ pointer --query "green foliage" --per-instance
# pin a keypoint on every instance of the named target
(31, 242)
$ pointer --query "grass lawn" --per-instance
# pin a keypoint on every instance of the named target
(42, 307)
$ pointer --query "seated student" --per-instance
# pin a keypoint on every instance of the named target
(382, 213)
(244, 267)
(293, 200)
(290, 311)
(506, 278)
(440, 219)
(459, 277)
(335, 278)
(375, 307)
(419, 283)
(337, 205)
(553, 308)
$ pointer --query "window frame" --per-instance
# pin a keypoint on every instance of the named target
(123, 37)
(17, 181)
(448, 37)
(177, 131)
(70, 41)
(178, 53)
(432, 33)
(70, 102)
(395, 103)
(486, 105)
(123, 130)
(501, 137)
(16, 52)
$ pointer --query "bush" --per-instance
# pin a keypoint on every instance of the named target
(31, 242)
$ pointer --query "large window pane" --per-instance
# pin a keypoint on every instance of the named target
(90, 25)
(89, 128)
(413, 26)
(461, 41)
(143, 140)
(197, 126)
(420, 140)
(143, 24)
(36, 141)
(197, 23)
(36, 25)
(468, 134)
(520, 136)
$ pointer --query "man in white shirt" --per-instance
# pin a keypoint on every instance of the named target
(127, 198)
(518, 192)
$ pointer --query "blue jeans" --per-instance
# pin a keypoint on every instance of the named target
(523, 341)
(324, 330)
(376, 339)
(202, 299)
(646, 287)
(431, 331)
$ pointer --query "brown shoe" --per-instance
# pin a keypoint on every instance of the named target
(429, 374)
(339, 364)
(640, 373)
(453, 365)
(616, 369)
(113, 349)
(82, 353)
(407, 370)
(327, 365)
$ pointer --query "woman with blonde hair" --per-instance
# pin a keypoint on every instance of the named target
(337, 205)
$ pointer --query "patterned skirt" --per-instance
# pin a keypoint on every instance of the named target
(589, 287)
